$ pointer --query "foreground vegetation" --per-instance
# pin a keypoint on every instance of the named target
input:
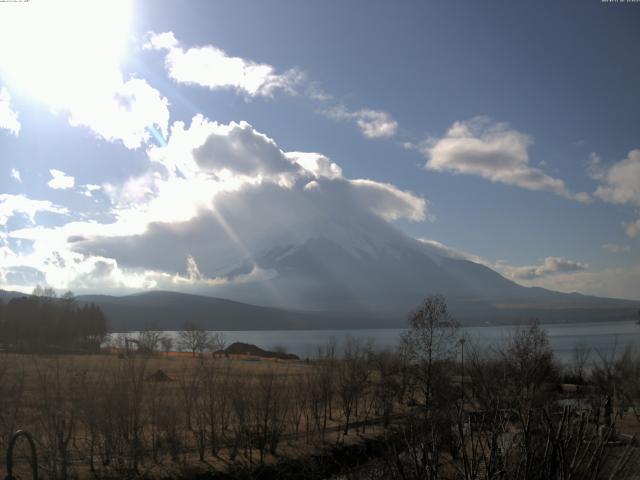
(437, 407)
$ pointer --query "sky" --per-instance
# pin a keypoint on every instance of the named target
(503, 132)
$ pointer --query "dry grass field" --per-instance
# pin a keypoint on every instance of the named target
(111, 414)
(179, 415)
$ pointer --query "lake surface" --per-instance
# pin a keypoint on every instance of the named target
(602, 337)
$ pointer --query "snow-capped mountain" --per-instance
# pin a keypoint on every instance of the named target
(329, 254)
(372, 268)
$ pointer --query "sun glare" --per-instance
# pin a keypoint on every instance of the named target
(61, 51)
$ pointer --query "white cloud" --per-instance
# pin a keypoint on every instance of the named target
(389, 202)
(124, 111)
(316, 163)
(371, 123)
(236, 224)
(217, 194)
(550, 266)
(194, 277)
(241, 150)
(493, 151)
(619, 184)
(556, 273)
(69, 59)
(211, 67)
(632, 229)
(446, 251)
(11, 205)
(8, 118)
(613, 248)
(60, 180)
(621, 181)
(161, 41)
(623, 282)
(594, 166)
(15, 174)
(89, 188)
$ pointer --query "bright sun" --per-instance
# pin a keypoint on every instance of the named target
(60, 51)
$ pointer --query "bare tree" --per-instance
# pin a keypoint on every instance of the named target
(167, 344)
(217, 341)
(191, 386)
(149, 338)
(386, 389)
(353, 375)
(270, 409)
(326, 379)
(217, 407)
(196, 339)
(431, 338)
(581, 353)
(299, 402)
(529, 364)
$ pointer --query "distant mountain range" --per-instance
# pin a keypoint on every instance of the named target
(170, 310)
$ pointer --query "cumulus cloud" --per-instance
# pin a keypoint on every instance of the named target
(621, 181)
(316, 163)
(15, 174)
(494, 151)
(8, 117)
(619, 184)
(11, 205)
(550, 266)
(60, 180)
(242, 150)
(216, 197)
(371, 123)
(211, 67)
(238, 225)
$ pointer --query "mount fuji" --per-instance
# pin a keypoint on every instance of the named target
(369, 269)
(319, 251)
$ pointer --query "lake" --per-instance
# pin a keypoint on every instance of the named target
(602, 337)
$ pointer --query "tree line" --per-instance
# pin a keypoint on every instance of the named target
(44, 322)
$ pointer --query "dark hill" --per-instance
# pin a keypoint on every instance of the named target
(170, 310)
(240, 348)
